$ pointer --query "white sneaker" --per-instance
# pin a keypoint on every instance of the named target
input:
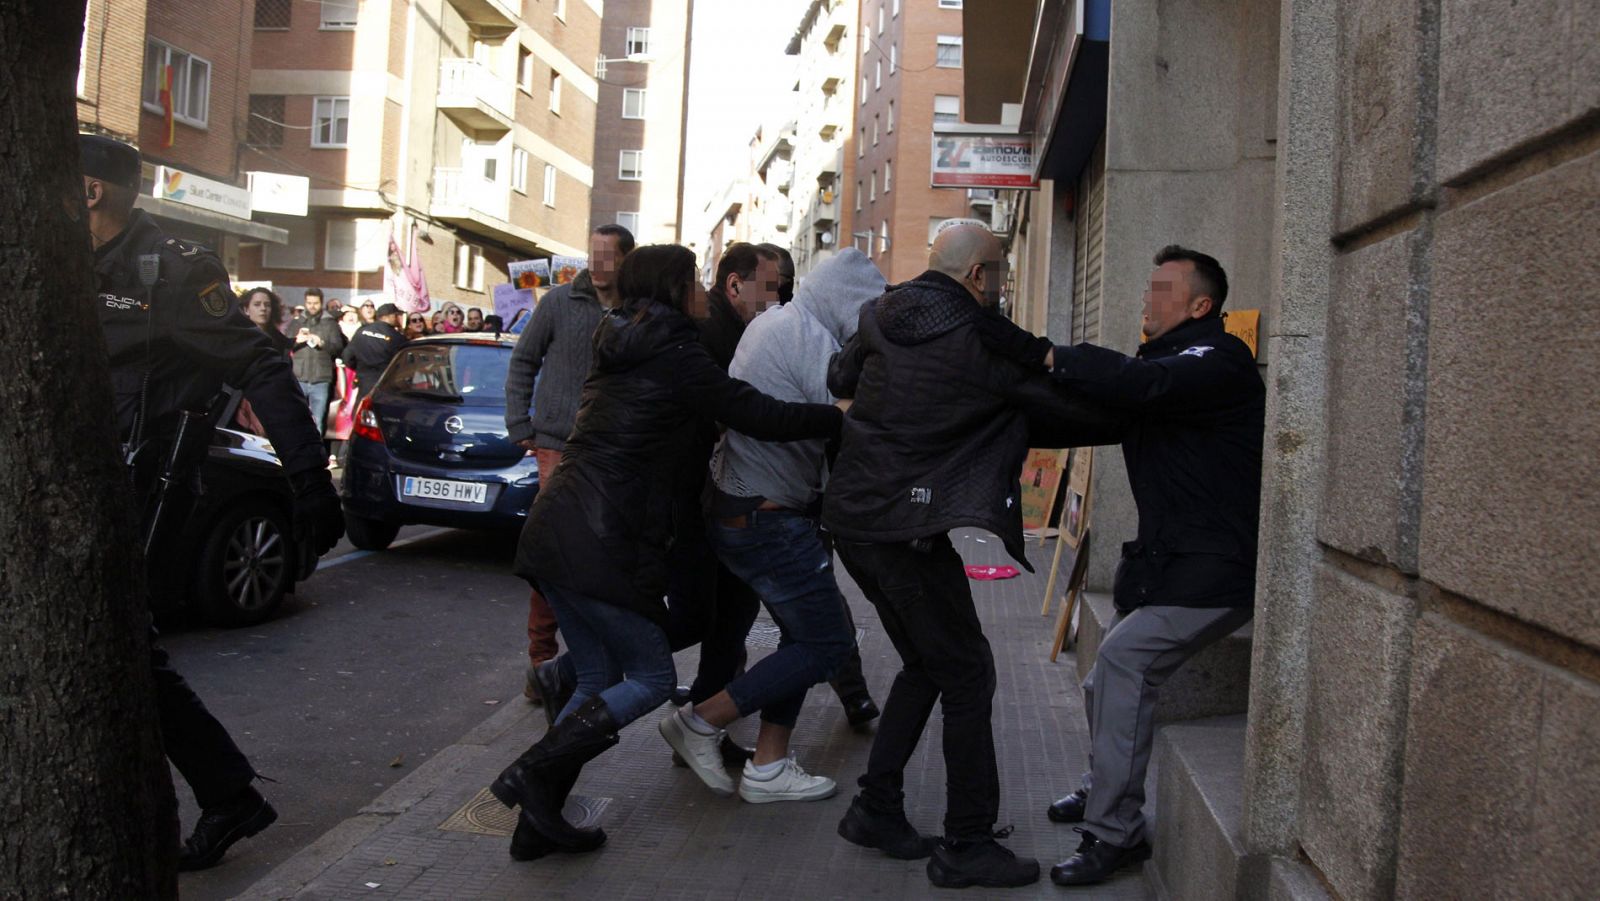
(790, 783)
(703, 753)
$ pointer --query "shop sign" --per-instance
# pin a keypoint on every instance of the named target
(274, 192)
(204, 193)
(983, 161)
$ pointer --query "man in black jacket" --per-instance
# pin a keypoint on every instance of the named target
(317, 343)
(935, 441)
(373, 346)
(1193, 453)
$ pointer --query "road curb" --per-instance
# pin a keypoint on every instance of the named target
(289, 878)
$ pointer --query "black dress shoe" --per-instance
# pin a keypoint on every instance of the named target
(860, 711)
(1070, 808)
(219, 827)
(1095, 861)
(985, 862)
(892, 834)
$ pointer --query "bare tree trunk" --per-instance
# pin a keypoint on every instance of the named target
(86, 804)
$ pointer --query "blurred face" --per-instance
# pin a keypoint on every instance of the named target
(258, 309)
(1170, 302)
(474, 318)
(754, 295)
(454, 316)
(416, 325)
(986, 279)
(699, 306)
(604, 260)
(313, 305)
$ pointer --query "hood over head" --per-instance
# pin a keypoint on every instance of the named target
(835, 291)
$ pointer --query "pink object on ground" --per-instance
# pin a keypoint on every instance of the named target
(992, 573)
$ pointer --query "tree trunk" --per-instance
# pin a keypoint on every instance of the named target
(86, 807)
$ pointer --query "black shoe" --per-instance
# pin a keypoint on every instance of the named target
(679, 696)
(1069, 809)
(892, 834)
(860, 711)
(552, 688)
(219, 827)
(1095, 861)
(540, 779)
(985, 862)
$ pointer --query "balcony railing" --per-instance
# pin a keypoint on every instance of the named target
(458, 194)
(477, 97)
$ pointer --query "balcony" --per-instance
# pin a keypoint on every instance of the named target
(826, 211)
(475, 98)
(468, 198)
(489, 13)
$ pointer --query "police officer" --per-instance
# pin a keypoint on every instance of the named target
(373, 346)
(175, 336)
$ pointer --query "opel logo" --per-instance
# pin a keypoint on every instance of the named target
(454, 425)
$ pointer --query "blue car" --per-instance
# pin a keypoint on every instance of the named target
(429, 445)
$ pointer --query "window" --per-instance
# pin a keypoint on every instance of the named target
(949, 53)
(888, 124)
(880, 17)
(877, 75)
(555, 91)
(630, 165)
(300, 252)
(633, 103)
(894, 58)
(861, 145)
(338, 14)
(858, 195)
(638, 42)
(330, 122)
(874, 130)
(863, 90)
(872, 194)
(629, 221)
(519, 170)
(561, 10)
(949, 4)
(895, 9)
(265, 128)
(946, 109)
(469, 267)
(933, 228)
(273, 15)
(525, 69)
(191, 83)
(491, 169)
(356, 245)
(888, 175)
(549, 185)
(883, 236)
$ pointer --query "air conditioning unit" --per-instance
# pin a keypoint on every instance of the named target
(978, 196)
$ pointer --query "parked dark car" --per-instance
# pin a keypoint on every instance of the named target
(236, 556)
(429, 445)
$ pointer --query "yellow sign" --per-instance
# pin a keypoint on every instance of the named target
(1041, 476)
(1242, 324)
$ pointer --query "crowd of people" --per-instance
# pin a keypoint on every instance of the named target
(708, 452)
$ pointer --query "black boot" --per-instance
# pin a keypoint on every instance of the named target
(1095, 861)
(539, 779)
(219, 827)
(892, 834)
(528, 843)
(985, 862)
(554, 688)
(859, 711)
(1069, 809)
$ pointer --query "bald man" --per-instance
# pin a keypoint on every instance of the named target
(935, 441)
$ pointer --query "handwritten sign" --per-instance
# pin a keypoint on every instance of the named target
(1041, 476)
(1243, 324)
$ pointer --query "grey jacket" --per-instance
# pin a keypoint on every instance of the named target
(557, 345)
(315, 364)
(784, 353)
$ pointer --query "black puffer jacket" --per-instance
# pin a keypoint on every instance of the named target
(940, 426)
(603, 524)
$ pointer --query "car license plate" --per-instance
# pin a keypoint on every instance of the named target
(445, 490)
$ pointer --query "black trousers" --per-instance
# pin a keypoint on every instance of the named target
(709, 606)
(195, 742)
(925, 605)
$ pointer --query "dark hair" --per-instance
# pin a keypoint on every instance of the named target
(272, 298)
(785, 270)
(1207, 280)
(741, 259)
(660, 273)
(623, 236)
(493, 322)
(314, 292)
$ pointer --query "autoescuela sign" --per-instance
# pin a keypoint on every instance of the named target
(982, 161)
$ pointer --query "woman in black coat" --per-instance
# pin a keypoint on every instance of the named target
(597, 538)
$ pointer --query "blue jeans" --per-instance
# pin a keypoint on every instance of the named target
(620, 656)
(780, 555)
(317, 399)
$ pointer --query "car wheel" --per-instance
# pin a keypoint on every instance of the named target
(369, 534)
(247, 565)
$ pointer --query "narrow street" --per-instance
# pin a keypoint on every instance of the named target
(377, 662)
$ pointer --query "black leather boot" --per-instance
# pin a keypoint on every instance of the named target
(528, 843)
(539, 780)
(555, 690)
(1095, 861)
(1069, 809)
(219, 827)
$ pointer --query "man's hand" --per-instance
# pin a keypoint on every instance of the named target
(843, 404)
(318, 519)
(1004, 338)
(528, 444)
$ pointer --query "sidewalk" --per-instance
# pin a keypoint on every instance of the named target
(438, 834)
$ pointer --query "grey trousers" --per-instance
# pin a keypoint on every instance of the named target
(1140, 651)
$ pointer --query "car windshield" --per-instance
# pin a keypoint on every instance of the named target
(473, 374)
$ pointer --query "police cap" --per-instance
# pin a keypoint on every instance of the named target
(109, 160)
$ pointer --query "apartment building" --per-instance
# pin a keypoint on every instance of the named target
(643, 75)
(823, 108)
(909, 78)
(467, 125)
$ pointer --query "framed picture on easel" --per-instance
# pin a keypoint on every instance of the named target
(1073, 536)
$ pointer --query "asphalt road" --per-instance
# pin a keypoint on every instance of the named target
(377, 662)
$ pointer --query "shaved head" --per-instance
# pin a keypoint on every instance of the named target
(971, 255)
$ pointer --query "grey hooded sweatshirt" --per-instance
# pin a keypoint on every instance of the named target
(784, 353)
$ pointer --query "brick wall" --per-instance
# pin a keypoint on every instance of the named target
(113, 61)
(221, 34)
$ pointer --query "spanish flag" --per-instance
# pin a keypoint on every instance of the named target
(166, 105)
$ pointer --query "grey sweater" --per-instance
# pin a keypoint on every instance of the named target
(784, 353)
(556, 344)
